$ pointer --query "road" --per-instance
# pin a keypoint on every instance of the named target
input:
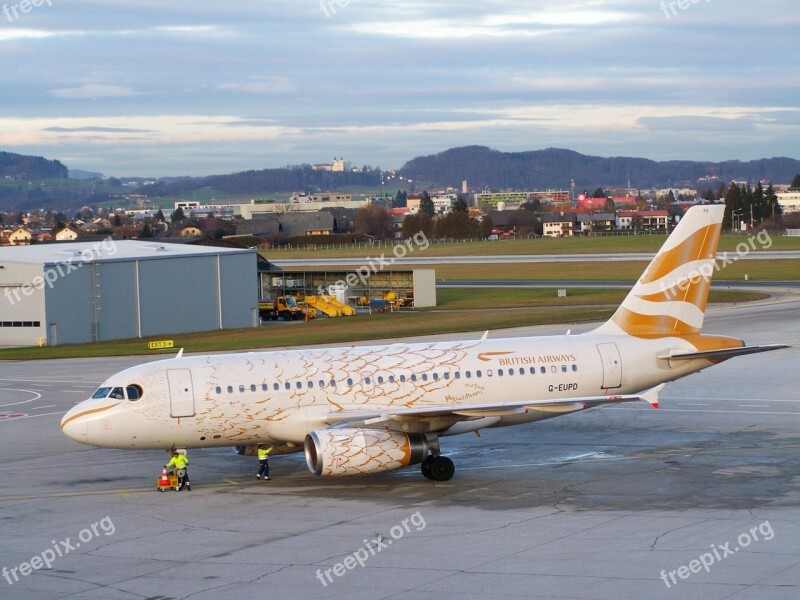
(589, 506)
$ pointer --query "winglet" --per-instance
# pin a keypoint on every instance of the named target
(651, 395)
(180, 353)
(485, 335)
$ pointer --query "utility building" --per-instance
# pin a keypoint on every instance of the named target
(97, 291)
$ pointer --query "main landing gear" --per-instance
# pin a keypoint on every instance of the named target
(438, 468)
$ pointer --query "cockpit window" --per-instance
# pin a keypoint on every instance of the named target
(134, 392)
(101, 392)
(117, 394)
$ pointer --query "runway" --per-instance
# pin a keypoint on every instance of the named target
(419, 259)
(610, 503)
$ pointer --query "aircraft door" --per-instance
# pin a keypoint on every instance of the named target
(181, 394)
(612, 365)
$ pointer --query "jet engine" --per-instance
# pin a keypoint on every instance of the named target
(359, 451)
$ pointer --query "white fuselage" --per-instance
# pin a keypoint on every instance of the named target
(279, 397)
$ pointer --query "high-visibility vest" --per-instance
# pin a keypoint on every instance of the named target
(263, 454)
(179, 461)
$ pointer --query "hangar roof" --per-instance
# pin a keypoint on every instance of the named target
(105, 251)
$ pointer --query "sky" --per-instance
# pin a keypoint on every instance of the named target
(204, 87)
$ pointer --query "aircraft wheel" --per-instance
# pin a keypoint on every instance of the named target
(425, 467)
(442, 468)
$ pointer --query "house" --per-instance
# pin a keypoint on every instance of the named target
(558, 224)
(596, 222)
(292, 224)
(20, 236)
(66, 234)
(643, 220)
(509, 222)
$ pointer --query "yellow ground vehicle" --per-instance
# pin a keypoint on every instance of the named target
(330, 306)
(284, 307)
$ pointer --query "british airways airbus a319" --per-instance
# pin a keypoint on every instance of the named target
(359, 410)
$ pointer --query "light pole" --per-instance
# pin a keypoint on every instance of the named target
(736, 216)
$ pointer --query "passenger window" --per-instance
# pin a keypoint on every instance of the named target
(299, 385)
(436, 377)
(380, 380)
(275, 387)
(553, 369)
(287, 385)
(457, 375)
(469, 375)
(264, 387)
(447, 375)
(563, 368)
(521, 371)
(424, 377)
(500, 372)
(366, 381)
(333, 383)
(322, 383)
(391, 378)
(489, 373)
(542, 370)
(574, 368)
(252, 387)
(402, 378)
(101, 392)
(241, 388)
(310, 385)
(533, 370)
(349, 381)
(478, 374)
(218, 390)
(230, 389)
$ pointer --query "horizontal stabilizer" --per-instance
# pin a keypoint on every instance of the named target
(724, 353)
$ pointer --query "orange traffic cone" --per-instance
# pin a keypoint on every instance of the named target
(163, 483)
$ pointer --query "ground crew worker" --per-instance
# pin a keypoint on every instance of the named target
(263, 458)
(180, 461)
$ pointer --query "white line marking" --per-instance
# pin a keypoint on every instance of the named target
(692, 404)
(38, 395)
(754, 405)
(43, 407)
(63, 412)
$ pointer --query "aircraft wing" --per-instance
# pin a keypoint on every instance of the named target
(377, 419)
(724, 353)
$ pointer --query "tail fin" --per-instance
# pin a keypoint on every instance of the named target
(671, 295)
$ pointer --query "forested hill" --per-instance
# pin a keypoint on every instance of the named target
(30, 167)
(554, 168)
(266, 181)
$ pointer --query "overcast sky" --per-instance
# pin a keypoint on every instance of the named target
(201, 87)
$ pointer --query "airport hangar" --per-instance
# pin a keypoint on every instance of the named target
(97, 291)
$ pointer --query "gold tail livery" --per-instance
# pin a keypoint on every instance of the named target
(359, 410)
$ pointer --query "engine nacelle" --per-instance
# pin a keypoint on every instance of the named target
(359, 451)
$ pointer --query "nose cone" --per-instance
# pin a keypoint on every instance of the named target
(75, 425)
(80, 418)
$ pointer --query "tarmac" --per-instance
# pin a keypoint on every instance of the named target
(698, 499)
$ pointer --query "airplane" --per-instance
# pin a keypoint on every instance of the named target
(371, 409)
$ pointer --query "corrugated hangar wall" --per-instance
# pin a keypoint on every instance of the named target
(133, 298)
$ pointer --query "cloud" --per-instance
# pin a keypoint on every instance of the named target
(93, 91)
(97, 129)
(260, 85)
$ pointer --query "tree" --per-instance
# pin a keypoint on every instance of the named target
(709, 195)
(177, 215)
(160, 216)
(795, 182)
(599, 193)
(117, 221)
(426, 204)
(147, 231)
(460, 205)
(418, 223)
(372, 220)
(733, 206)
(401, 199)
(610, 207)
(20, 218)
(771, 200)
(487, 225)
